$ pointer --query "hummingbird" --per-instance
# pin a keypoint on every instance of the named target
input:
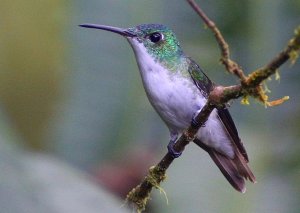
(177, 88)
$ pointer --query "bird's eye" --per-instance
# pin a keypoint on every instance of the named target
(156, 37)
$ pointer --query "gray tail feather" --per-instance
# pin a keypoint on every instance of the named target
(235, 170)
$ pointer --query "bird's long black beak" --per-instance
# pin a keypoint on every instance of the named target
(120, 31)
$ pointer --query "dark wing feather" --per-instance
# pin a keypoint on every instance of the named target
(227, 166)
(231, 129)
(203, 83)
(235, 170)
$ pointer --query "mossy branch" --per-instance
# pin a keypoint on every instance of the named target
(249, 86)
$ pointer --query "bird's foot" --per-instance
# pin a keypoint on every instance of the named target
(171, 144)
(195, 123)
(171, 150)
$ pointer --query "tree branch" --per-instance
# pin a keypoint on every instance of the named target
(231, 66)
(250, 86)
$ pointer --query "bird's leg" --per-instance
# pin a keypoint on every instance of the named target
(194, 122)
(171, 144)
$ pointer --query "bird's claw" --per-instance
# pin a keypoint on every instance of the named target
(171, 150)
(196, 123)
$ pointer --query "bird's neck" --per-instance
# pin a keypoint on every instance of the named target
(176, 63)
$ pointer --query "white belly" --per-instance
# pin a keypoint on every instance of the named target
(175, 98)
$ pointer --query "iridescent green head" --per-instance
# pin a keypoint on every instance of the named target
(158, 40)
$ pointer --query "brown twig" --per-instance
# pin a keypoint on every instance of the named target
(250, 86)
(231, 66)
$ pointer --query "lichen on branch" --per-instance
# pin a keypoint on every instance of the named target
(257, 77)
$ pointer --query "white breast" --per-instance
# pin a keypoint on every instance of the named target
(174, 97)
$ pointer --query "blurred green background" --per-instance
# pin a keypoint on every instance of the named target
(74, 116)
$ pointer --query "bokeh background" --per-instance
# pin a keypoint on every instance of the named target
(77, 131)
